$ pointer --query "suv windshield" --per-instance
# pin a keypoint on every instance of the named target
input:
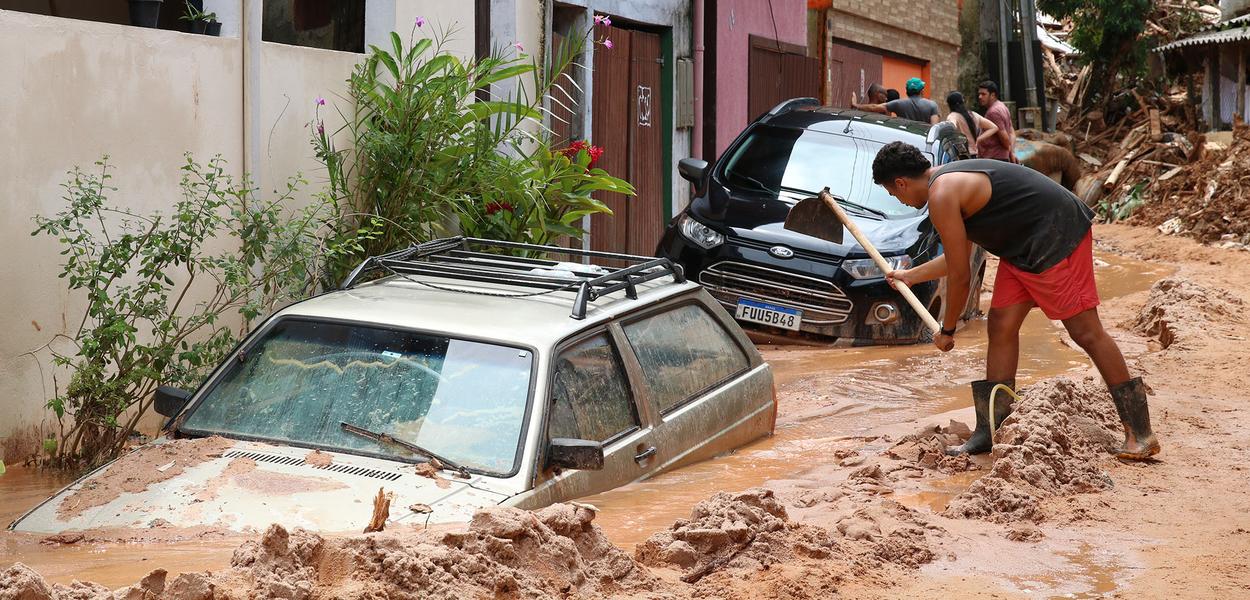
(459, 399)
(773, 158)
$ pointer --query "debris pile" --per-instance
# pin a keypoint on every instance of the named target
(1131, 141)
(1055, 443)
(1209, 199)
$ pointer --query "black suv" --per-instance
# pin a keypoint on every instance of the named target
(732, 241)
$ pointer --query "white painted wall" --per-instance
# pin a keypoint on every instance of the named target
(76, 90)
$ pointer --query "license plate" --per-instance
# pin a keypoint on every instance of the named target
(769, 314)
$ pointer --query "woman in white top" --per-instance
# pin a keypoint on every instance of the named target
(974, 126)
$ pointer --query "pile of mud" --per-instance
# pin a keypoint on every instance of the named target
(1180, 310)
(927, 449)
(504, 552)
(847, 532)
(1056, 442)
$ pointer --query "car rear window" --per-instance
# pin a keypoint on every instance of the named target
(591, 399)
(684, 352)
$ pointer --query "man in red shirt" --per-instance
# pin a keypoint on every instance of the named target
(998, 147)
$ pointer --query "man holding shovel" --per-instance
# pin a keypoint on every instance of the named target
(1042, 234)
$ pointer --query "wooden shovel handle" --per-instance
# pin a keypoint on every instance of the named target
(877, 258)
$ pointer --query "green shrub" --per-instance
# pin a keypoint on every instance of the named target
(425, 156)
(168, 295)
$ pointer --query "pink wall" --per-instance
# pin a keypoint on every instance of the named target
(736, 21)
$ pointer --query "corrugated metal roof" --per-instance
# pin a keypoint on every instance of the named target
(1232, 30)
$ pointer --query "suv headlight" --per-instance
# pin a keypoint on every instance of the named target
(703, 236)
(865, 268)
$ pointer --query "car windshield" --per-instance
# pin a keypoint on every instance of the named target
(460, 399)
(771, 159)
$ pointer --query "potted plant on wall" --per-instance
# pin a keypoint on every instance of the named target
(202, 22)
(145, 13)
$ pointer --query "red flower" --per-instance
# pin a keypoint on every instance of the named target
(494, 207)
(594, 151)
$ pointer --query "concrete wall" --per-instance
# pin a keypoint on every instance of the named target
(737, 20)
(927, 31)
(75, 90)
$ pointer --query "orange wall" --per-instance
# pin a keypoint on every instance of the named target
(896, 71)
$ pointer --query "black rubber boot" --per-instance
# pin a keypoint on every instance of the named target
(1130, 403)
(980, 442)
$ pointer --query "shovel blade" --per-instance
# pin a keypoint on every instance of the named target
(811, 216)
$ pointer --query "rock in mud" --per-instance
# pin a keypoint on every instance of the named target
(1179, 310)
(20, 582)
(1053, 444)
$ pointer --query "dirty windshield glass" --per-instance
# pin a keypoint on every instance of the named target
(772, 158)
(460, 399)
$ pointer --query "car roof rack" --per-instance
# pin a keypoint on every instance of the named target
(462, 258)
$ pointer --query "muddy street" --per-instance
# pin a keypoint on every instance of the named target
(851, 495)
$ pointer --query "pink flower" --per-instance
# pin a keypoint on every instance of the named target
(604, 20)
(321, 101)
(518, 46)
(607, 44)
(420, 21)
(321, 129)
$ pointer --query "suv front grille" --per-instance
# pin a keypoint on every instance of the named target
(821, 301)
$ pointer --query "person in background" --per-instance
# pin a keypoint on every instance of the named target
(877, 94)
(892, 94)
(998, 147)
(972, 125)
(915, 107)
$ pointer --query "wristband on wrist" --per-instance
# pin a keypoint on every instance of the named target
(948, 332)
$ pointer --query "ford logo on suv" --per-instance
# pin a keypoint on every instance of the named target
(781, 252)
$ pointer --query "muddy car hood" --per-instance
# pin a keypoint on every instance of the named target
(245, 486)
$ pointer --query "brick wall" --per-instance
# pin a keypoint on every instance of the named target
(928, 31)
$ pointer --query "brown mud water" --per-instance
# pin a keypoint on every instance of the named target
(830, 400)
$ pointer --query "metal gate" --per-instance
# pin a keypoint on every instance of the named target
(628, 123)
(779, 71)
(851, 71)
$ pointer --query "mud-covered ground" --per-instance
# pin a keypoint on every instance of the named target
(875, 511)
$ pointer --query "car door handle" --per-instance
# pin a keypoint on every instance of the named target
(645, 454)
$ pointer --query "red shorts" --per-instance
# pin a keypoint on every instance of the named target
(1062, 291)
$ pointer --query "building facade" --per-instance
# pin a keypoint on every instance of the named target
(862, 42)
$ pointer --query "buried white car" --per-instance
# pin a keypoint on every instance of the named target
(459, 380)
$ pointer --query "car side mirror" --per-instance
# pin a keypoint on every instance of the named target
(170, 400)
(569, 453)
(693, 170)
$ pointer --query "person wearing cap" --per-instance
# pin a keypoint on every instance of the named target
(914, 107)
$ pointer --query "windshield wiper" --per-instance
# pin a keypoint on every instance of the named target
(390, 439)
(747, 178)
(844, 201)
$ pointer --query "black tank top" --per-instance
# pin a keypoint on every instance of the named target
(1030, 221)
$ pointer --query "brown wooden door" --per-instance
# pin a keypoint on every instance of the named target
(646, 140)
(628, 122)
(608, 125)
(777, 73)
